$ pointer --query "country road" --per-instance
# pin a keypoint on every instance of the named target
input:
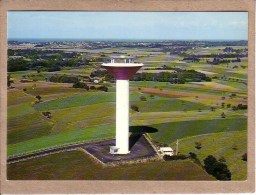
(44, 152)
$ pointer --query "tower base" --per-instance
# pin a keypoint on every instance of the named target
(116, 150)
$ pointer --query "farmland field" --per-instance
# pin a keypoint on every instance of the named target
(76, 165)
(44, 114)
(217, 144)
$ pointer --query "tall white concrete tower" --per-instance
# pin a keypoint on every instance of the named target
(122, 68)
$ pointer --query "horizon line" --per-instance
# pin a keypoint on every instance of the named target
(167, 39)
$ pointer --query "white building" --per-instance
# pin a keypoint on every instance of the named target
(166, 151)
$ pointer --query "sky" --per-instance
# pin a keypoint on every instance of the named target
(128, 25)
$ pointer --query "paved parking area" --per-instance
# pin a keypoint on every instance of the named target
(140, 148)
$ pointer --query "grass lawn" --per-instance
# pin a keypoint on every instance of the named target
(229, 145)
(76, 165)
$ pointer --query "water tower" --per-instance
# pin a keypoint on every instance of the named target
(122, 68)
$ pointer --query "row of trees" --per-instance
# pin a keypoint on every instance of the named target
(102, 73)
(47, 60)
(82, 85)
(220, 55)
(177, 77)
(63, 79)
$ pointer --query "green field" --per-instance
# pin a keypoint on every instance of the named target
(75, 165)
(229, 145)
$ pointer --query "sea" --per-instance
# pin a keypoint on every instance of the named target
(79, 40)
(36, 40)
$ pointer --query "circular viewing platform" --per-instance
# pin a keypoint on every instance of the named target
(122, 67)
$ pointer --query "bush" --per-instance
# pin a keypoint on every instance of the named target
(198, 145)
(213, 108)
(135, 108)
(92, 87)
(143, 98)
(38, 97)
(218, 169)
(152, 96)
(80, 85)
(244, 157)
(192, 155)
(63, 79)
(223, 115)
(241, 107)
(103, 88)
(175, 157)
(47, 114)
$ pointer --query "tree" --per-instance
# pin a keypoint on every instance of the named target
(19, 64)
(47, 114)
(143, 98)
(244, 157)
(78, 84)
(92, 87)
(221, 171)
(38, 97)
(135, 107)
(192, 155)
(213, 108)
(102, 88)
(198, 145)
(209, 163)
(218, 169)
(223, 115)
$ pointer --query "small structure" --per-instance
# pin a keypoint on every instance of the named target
(114, 150)
(122, 59)
(166, 151)
(122, 68)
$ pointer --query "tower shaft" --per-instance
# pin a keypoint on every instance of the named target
(122, 116)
